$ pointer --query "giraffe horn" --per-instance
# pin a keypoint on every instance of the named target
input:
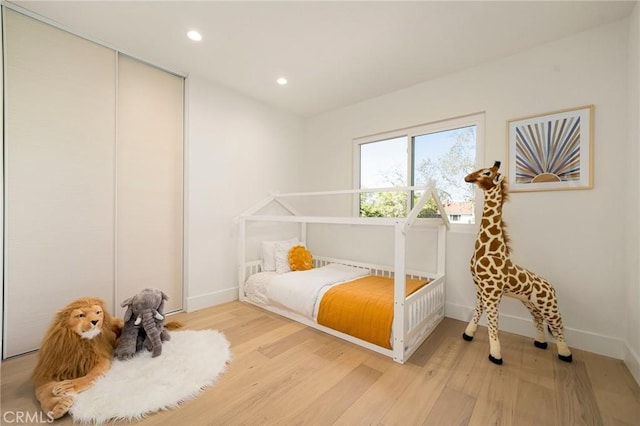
(496, 165)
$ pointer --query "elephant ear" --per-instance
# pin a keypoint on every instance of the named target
(129, 312)
(162, 299)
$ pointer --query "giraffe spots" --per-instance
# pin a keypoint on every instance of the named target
(483, 277)
(541, 296)
(491, 212)
(494, 230)
(515, 287)
(494, 245)
(486, 237)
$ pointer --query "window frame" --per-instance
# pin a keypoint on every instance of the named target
(476, 119)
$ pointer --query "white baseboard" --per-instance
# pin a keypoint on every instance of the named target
(632, 360)
(579, 339)
(210, 299)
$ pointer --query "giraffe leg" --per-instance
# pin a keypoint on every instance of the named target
(538, 320)
(473, 324)
(554, 321)
(495, 355)
(555, 324)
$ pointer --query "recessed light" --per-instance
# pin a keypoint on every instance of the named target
(282, 81)
(194, 35)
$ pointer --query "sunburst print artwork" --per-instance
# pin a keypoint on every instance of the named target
(551, 151)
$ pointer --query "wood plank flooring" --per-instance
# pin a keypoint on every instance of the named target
(285, 373)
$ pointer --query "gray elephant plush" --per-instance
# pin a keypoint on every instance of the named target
(143, 324)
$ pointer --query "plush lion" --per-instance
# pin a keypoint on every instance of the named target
(76, 349)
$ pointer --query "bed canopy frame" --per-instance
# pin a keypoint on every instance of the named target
(415, 316)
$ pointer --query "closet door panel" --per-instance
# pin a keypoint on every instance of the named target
(59, 175)
(149, 181)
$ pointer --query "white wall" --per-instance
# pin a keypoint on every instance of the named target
(238, 150)
(2, 192)
(573, 238)
(632, 355)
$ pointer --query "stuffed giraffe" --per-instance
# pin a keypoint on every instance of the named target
(495, 275)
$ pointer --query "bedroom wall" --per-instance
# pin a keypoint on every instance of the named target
(2, 192)
(573, 238)
(238, 150)
(632, 355)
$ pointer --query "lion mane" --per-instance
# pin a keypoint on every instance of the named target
(76, 349)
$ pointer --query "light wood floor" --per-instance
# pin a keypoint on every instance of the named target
(285, 373)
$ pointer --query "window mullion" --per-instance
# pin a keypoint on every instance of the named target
(410, 168)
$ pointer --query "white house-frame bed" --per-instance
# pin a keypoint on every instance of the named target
(414, 316)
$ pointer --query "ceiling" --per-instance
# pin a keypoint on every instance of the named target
(333, 53)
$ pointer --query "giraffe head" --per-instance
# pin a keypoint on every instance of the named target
(487, 178)
(496, 193)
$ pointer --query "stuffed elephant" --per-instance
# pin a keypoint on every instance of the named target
(143, 324)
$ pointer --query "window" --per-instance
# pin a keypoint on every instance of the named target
(445, 151)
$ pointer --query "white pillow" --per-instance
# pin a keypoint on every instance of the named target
(281, 256)
(268, 252)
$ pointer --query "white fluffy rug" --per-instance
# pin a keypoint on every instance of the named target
(190, 361)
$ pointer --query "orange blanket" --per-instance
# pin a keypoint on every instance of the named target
(363, 308)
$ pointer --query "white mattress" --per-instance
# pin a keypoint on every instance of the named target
(298, 291)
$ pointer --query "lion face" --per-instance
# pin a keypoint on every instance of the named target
(87, 321)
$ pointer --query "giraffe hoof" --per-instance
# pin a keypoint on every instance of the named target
(566, 358)
(466, 337)
(497, 361)
(541, 345)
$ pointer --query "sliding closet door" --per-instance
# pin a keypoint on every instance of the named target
(59, 175)
(149, 191)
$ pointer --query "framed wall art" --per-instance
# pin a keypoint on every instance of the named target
(551, 151)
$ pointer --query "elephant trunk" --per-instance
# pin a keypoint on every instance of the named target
(153, 332)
